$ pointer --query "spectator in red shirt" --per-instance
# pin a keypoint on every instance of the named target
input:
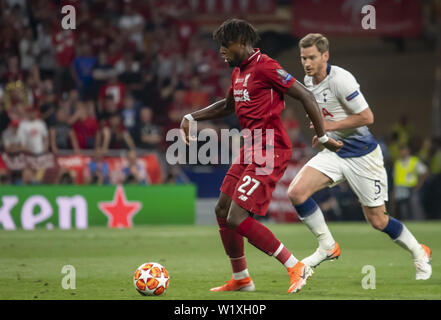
(63, 43)
(186, 28)
(113, 88)
(86, 126)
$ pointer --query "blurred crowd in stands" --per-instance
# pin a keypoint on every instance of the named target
(113, 88)
(113, 83)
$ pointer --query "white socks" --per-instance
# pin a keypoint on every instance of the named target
(285, 256)
(241, 275)
(407, 241)
(291, 262)
(317, 224)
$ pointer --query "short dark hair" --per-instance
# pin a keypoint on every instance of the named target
(317, 39)
(232, 30)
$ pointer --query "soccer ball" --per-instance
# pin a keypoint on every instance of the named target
(151, 279)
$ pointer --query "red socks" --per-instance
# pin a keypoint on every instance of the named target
(233, 245)
(283, 255)
(259, 236)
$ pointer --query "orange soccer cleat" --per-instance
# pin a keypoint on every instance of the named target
(245, 284)
(298, 276)
(422, 265)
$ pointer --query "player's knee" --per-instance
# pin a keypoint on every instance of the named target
(296, 194)
(231, 221)
(221, 210)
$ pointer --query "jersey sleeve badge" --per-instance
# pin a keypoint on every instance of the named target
(284, 76)
(352, 95)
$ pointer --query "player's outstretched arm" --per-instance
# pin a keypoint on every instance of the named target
(299, 92)
(217, 110)
(364, 118)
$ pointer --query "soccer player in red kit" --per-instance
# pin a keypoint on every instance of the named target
(258, 85)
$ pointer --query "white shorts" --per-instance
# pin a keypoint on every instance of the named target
(366, 175)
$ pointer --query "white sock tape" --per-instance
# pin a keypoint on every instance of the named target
(323, 139)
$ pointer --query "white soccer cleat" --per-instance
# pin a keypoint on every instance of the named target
(423, 266)
(321, 255)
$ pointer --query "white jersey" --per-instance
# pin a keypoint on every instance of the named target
(339, 96)
(32, 134)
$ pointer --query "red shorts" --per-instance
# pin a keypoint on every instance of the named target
(249, 188)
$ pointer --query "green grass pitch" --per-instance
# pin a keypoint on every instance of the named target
(104, 259)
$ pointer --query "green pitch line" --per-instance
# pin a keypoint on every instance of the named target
(31, 263)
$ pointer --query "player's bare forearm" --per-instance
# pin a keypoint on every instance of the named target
(361, 119)
(299, 92)
(219, 109)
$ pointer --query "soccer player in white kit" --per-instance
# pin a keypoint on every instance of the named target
(359, 162)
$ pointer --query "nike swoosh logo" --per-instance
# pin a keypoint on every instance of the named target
(332, 255)
(303, 274)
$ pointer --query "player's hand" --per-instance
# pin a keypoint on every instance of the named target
(331, 144)
(185, 131)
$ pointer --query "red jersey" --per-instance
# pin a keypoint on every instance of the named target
(116, 90)
(258, 86)
(63, 41)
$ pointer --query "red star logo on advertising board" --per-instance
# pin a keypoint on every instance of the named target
(120, 211)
